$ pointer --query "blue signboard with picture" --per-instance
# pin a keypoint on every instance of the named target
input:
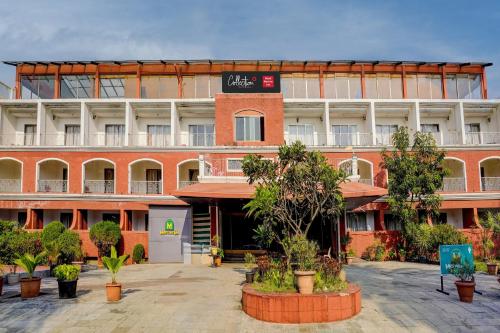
(456, 254)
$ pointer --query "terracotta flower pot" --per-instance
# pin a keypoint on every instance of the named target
(492, 269)
(305, 281)
(349, 260)
(12, 278)
(465, 291)
(402, 258)
(30, 287)
(217, 261)
(113, 292)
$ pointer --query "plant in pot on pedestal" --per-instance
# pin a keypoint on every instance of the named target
(464, 271)
(351, 254)
(304, 256)
(113, 264)
(250, 266)
(30, 286)
(67, 279)
(490, 230)
(104, 235)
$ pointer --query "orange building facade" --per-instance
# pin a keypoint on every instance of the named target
(145, 142)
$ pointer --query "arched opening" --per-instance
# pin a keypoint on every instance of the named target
(52, 176)
(365, 171)
(187, 173)
(11, 171)
(145, 177)
(99, 176)
(490, 174)
(455, 181)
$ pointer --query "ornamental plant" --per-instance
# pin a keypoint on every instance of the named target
(105, 235)
(249, 260)
(138, 253)
(463, 271)
(490, 230)
(70, 246)
(28, 262)
(304, 253)
(67, 272)
(51, 232)
(114, 263)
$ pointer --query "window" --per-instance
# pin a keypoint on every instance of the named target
(301, 132)
(300, 85)
(424, 86)
(467, 86)
(391, 223)
(21, 218)
(113, 86)
(113, 217)
(159, 86)
(115, 135)
(66, 219)
(250, 128)
(383, 86)
(77, 86)
(384, 134)
(72, 135)
(201, 135)
(37, 86)
(29, 135)
(201, 86)
(158, 135)
(473, 133)
(357, 222)
(234, 165)
(345, 135)
(341, 85)
(433, 129)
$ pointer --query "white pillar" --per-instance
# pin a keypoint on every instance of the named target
(128, 123)
(2, 132)
(417, 117)
(201, 167)
(459, 111)
(40, 122)
(173, 123)
(83, 123)
(371, 122)
(326, 117)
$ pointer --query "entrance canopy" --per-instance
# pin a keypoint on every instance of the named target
(246, 191)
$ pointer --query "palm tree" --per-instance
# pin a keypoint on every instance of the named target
(114, 263)
(29, 263)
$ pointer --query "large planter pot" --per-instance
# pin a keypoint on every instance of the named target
(250, 275)
(349, 260)
(305, 281)
(30, 287)
(67, 289)
(465, 291)
(113, 292)
(492, 269)
(402, 258)
(217, 261)
(12, 278)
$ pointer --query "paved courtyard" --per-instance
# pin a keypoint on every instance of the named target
(397, 297)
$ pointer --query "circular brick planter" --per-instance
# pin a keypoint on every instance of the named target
(296, 308)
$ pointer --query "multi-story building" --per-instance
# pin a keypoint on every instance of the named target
(146, 142)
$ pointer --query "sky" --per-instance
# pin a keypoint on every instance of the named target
(422, 30)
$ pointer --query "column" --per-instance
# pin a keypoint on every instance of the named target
(40, 122)
(459, 116)
(128, 123)
(201, 167)
(173, 123)
(84, 113)
(371, 122)
(326, 117)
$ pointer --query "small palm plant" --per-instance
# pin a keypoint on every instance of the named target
(114, 263)
(28, 262)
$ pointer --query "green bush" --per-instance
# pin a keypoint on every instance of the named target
(445, 234)
(138, 253)
(8, 226)
(67, 272)
(303, 252)
(481, 266)
(277, 281)
(70, 246)
(104, 235)
(375, 252)
(52, 231)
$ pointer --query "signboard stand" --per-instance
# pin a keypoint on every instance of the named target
(442, 288)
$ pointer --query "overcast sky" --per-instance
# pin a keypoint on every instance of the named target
(423, 30)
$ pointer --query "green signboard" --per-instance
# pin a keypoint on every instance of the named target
(454, 254)
(169, 228)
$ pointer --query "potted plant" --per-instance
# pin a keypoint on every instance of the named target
(218, 257)
(53, 253)
(304, 253)
(215, 245)
(67, 279)
(350, 256)
(250, 266)
(465, 285)
(490, 229)
(113, 264)
(30, 286)
(402, 254)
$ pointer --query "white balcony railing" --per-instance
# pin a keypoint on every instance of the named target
(99, 186)
(51, 185)
(453, 184)
(18, 139)
(10, 185)
(145, 187)
(482, 138)
(184, 183)
(490, 183)
(366, 181)
(149, 140)
(108, 140)
(196, 139)
(352, 139)
(60, 139)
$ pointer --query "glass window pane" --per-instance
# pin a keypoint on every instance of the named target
(384, 86)
(299, 86)
(411, 86)
(37, 86)
(371, 86)
(342, 85)
(355, 86)
(396, 86)
(463, 86)
(436, 87)
(329, 85)
(451, 86)
(240, 128)
(188, 87)
(215, 85)
(117, 86)
(202, 86)
(424, 87)
(77, 86)
(312, 86)
(287, 86)
(475, 86)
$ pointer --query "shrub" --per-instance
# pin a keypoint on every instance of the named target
(67, 272)
(70, 246)
(351, 253)
(375, 252)
(8, 226)
(104, 235)
(51, 232)
(445, 234)
(29, 262)
(304, 252)
(138, 253)
(249, 260)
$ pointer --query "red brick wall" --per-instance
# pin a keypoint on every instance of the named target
(125, 246)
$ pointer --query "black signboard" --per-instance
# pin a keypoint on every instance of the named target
(251, 82)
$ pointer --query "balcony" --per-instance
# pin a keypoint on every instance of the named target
(52, 176)
(490, 183)
(99, 186)
(145, 177)
(145, 187)
(99, 176)
(58, 186)
(490, 174)
(188, 172)
(10, 185)
(453, 184)
(482, 138)
(10, 175)
(352, 139)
